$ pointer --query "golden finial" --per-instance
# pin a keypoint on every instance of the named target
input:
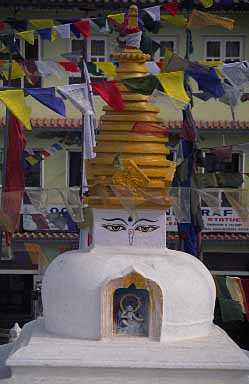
(133, 17)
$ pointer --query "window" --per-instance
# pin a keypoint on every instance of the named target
(33, 175)
(165, 43)
(74, 169)
(96, 49)
(28, 52)
(227, 49)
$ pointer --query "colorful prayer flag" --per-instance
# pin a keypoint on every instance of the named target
(172, 8)
(83, 26)
(178, 20)
(15, 102)
(69, 66)
(109, 92)
(16, 71)
(47, 97)
(28, 36)
(173, 85)
(200, 19)
(107, 67)
(207, 3)
(153, 12)
(42, 23)
(63, 30)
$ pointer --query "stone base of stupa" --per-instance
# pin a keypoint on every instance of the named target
(43, 358)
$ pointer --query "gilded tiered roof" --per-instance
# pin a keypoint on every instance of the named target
(144, 168)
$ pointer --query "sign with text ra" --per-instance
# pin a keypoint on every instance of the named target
(227, 220)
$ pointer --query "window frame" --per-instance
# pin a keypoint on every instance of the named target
(165, 38)
(22, 45)
(68, 165)
(88, 53)
(223, 40)
(41, 171)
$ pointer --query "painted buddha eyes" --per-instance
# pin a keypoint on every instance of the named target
(146, 228)
(114, 227)
(121, 227)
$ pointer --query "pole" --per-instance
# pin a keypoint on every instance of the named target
(6, 144)
(83, 242)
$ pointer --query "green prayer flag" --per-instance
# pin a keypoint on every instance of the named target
(144, 85)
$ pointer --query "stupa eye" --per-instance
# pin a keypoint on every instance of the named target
(146, 228)
(114, 227)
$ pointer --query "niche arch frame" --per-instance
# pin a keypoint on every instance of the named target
(155, 303)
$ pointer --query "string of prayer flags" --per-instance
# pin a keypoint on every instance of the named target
(15, 102)
(28, 36)
(16, 71)
(47, 97)
(200, 19)
(63, 30)
(69, 66)
(173, 85)
(83, 26)
(145, 128)
(179, 21)
(107, 67)
(171, 8)
(49, 34)
(110, 93)
(144, 85)
(54, 148)
(42, 23)
(154, 12)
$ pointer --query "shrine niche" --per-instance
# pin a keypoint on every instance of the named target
(131, 307)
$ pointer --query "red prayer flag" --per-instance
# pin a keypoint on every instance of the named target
(12, 199)
(109, 92)
(83, 26)
(172, 8)
(69, 66)
(2, 26)
(150, 129)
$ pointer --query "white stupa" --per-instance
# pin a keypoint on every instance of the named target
(100, 327)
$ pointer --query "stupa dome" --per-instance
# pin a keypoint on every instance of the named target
(78, 290)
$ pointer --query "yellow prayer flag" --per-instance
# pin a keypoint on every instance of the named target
(42, 23)
(173, 85)
(35, 253)
(4, 50)
(16, 71)
(212, 63)
(178, 20)
(54, 35)
(207, 3)
(200, 19)
(107, 67)
(28, 36)
(119, 17)
(15, 102)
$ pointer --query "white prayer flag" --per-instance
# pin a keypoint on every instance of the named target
(236, 73)
(152, 67)
(49, 68)
(134, 39)
(158, 97)
(154, 12)
(63, 30)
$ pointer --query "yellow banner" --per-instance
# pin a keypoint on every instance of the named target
(178, 20)
(28, 36)
(16, 71)
(42, 23)
(207, 3)
(172, 83)
(107, 67)
(200, 19)
(119, 17)
(15, 102)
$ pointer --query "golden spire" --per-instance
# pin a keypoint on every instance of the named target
(146, 170)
